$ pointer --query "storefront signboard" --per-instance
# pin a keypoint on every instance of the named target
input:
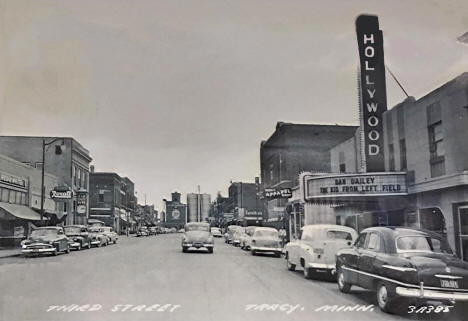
(272, 193)
(61, 193)
(13, 180)
(349, 185)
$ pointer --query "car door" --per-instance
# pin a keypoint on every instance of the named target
(368, 259)
(350, 257)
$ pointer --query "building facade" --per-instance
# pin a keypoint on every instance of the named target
(65, 158)
(247, 207)
(426, 157)
(290, 150)
(175, 213)
(20, 200)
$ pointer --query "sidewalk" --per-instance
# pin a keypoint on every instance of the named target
(8, 252)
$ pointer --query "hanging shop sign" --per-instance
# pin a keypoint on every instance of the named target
(351, 185)
(273, 193)
(61, 193)
(373, 90)
(81, 201)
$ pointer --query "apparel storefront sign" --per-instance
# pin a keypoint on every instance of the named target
(13, 180)
(277, 193)
(349, 185)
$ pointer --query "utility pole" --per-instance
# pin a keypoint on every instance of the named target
(198, 205)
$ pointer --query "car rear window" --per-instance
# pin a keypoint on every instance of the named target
(422, 243)
(339, 235)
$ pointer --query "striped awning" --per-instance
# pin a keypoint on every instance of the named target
(20, 211)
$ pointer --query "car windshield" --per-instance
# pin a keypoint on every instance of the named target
(196, 227)
(423, 244)
(214, 229)
(72, 229)
(266, 233)
(43, 232)
(339, 235)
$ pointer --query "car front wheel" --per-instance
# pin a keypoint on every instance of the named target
(385, 298)
(343, 286)
(184, 249)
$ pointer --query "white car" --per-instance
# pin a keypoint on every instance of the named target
(216, 232)
(246, 239)
(265, 240)
(315, 250)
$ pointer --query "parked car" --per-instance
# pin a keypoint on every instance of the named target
(153, 230)
(197, 235)
(78, 237)
(266, 240)
(50, 239)
(98, 238)
(403, 265)
(229, 235)
(216, 232)
(143, 231)
(237, 236)
(246, 239)
(111, 235)
(315, 250)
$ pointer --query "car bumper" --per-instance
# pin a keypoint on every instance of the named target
(266, 249)
(44, 249)
(74, 245)
(322, 267)
(236, 242)
(198, 245)
(97, 242)
(431, 294)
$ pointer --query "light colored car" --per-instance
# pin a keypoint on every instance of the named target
(143, 231)
(246, 239)
(216, 232)
(229, 235)
(98, 238)
(316, 248)
(197, 235)
(237, 236)
(110, 233)
(51, 240)
(266, 240)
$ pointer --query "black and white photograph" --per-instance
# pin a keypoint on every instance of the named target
(226, 160)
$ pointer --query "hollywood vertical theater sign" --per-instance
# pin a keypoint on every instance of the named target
(373, 90)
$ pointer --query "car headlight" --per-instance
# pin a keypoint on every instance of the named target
(25, 242)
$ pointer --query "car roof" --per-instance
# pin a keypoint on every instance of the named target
(401, 231)
(75, 225)
(197, 223)
(49, 228)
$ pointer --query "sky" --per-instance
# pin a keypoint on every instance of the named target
(175, 94)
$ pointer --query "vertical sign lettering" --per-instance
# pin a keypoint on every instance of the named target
(373, 89)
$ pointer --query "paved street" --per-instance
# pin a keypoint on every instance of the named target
(153, 270)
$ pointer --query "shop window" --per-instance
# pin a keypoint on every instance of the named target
(101, 197)
(403, 162)
(12, 197)
(4, 195)
(73, 175)
(391, 152)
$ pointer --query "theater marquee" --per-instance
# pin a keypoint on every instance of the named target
(352, 185)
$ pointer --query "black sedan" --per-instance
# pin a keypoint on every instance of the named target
(403, 265)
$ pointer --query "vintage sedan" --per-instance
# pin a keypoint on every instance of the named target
(98, 238)
(229, 235)
(78, 237)
(266, 240)
(237, 236)
(51, 239)
(403, 265)
(246, 240)
(111, 235)
(316, 248)
(143, 231)
(197, 236)
(216, 232)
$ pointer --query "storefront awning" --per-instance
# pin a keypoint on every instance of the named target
(20, 211)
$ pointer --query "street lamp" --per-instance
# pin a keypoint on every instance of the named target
(58, 151)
